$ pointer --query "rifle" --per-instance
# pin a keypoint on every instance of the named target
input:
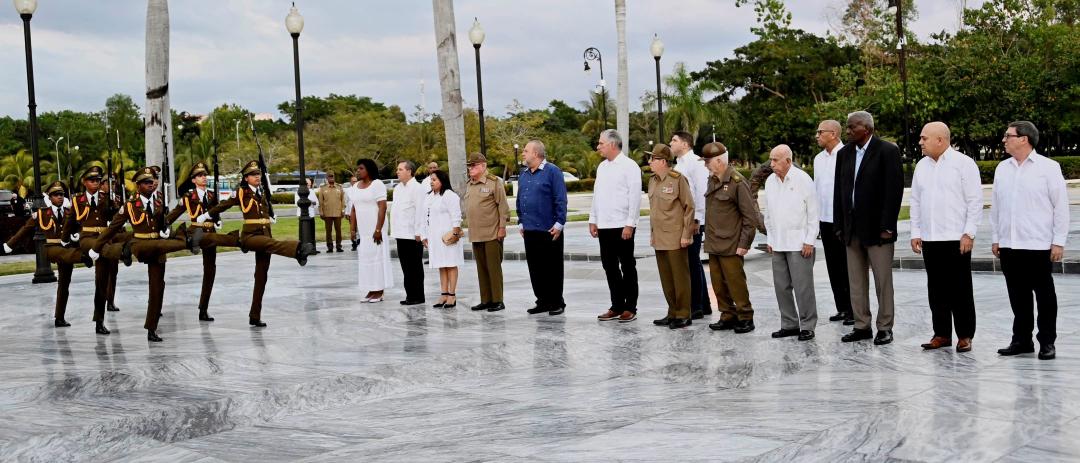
(262, 167)
(108, 168)
(165, 173)
(123, 181)
(213, 144)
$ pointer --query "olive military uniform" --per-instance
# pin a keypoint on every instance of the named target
(331, 206)
(730, 220)
(671, 217)
(488, 212)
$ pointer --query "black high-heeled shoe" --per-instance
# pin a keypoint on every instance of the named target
(451, 306)
(442, 303)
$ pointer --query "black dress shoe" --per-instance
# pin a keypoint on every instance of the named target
(538, 309)
(677, 323)
(883, 337)
(744, 326)
(849, 322)
(480, 306)
(339, 249)
(1047, 352)
(412, 302)
(857, 335)
(112, 308)
(303, 250)
(125, 254)
(87, 261)
(152, 336)
(355, 243)
(806, 335)
(254, 322)
(697, 315)
(496, 306)
(785, 333)
(706, 311)
(1017, 349)
(722, 325)
(101, 329)
(61, 323)
(837, 317)
(557, 310)
(663, 321)
(205, 317)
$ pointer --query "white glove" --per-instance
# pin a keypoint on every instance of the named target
(93, 254)
(74, 237)
(64, 243)
(165, 233)
(203, 218)
(217, 225)
(273, 219)
(7, 249)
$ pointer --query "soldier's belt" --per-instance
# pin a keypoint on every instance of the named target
(94, 229)
(256, 221)
(52, 241)
(201, 224)
(147, 236)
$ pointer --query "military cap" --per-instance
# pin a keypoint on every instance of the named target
(199, 169)
(476, 158)
(93, 172)
(660, 151)
(252, 168)
(713, 150)
(56, 187)
(146, 174)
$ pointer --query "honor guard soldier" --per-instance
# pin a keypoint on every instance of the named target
(91, 211)
(256, 235)
(196, 200)
(151, 240)
(487, 211)
(671, 217)
(49, 220)
(731, 217)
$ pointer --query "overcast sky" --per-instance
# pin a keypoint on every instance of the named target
(238, 51)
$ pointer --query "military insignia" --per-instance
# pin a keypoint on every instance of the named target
(668, 189)
(675, 174)
(82, 199)
(485, 190)
(726, 187)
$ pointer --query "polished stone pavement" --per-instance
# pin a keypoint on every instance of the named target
(331, 379)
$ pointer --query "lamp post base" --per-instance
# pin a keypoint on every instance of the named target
(43, 273)
(307, 230)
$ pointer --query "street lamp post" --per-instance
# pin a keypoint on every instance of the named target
(657, 49)
(43, 272)
(238, 136)
(56, 149)
(476, 36)
(901, 45)
(295, 24)
(592, 54)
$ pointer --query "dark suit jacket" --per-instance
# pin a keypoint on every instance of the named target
(878, 189)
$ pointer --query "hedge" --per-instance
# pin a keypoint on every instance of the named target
(1070, 168)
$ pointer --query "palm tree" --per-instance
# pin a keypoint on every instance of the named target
(623, 99)
(686, 101)
(450, 83)
(594, 120)
(17, 172)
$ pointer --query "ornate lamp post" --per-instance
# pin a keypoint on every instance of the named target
(295, 24)
(592, 54)
(476, 36)
(897, 6)
(43, 272)
(657, 49)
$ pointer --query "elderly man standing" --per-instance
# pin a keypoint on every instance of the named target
(1029, 216)
(406, 218)
(541, 207)
(671, 214)
(331, 203)
(866, 202)
(730, 219)
(946, 207)
(487, 211)
(828, 138)
(791, 217)
(686, 163)
(613, 219)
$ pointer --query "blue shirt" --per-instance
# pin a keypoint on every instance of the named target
(541, 199)
(859, 153)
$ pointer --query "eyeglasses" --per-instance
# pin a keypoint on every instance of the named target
(819, 132)
(1010, 135)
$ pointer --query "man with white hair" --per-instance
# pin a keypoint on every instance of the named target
(541, 207)
(791, 216)
(946, 207)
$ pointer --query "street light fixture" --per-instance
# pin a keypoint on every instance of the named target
(56, 149)
(657, 49)
(43, 271)
(897, 7)
(476, 36)
(592, 54)
(294, 23)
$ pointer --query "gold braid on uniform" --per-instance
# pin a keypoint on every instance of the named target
(187, 205)
(42, 224)
(132, 214)
(250, 204)
(80, 216)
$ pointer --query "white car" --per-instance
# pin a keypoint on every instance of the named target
(569, 178)
(390, 183)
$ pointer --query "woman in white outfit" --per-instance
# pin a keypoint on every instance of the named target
(368, 212)
(441, 235)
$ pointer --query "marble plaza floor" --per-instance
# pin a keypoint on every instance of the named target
(331, 379)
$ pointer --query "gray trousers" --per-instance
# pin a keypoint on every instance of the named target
(793, 280)
(860, 260)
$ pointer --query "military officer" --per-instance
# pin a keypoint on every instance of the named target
(331, 206)
(487, 211)
(730, 219)
(196, 199)
(256, 235)
(151, 242)
(50, 220)
(91, 211)
(671, 217)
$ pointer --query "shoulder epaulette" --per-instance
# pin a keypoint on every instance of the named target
(491, 176)
(675, 174)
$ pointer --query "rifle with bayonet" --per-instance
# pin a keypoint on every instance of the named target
(166, 178)
(214, 146)
(262, 167)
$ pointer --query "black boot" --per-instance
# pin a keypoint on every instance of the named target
(61, 323)
(204, 316)
(152, 336)
(100, 328)
(125, 254)
(303, 250)
(254, 322)
(112, 307)
(87, 261)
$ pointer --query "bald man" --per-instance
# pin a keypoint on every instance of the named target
(828, 138)
(946, 207)
(791, 216)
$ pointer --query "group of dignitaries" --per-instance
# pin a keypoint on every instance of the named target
(91, 231)
(695, 203)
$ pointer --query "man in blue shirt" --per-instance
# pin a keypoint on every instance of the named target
(541, 208)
